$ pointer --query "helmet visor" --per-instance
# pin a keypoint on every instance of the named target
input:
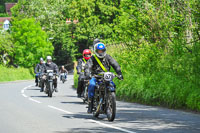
(87, 55)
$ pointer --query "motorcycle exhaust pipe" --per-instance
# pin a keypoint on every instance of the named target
(98, 108)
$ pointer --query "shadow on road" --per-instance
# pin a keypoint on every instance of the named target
(33, 89)
(150, 119)
(72, 102)
(90, 130)
(40, 96)
(71, 96)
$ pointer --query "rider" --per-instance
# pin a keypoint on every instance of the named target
(80, 70)
(50, 66)
(63, 70)
(38, 69)
(99, 62)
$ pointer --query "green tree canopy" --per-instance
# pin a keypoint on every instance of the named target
(30, 42)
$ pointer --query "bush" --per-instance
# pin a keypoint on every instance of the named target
(12, 74)
(31, 42)
(4, 15)
(75, 76)
(154, 77)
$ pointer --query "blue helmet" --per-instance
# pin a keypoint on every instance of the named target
(100, 50)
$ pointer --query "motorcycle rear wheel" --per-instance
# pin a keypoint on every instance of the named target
(96, 112)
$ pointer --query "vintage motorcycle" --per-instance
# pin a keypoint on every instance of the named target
(105, 98)
(63, 77)
(85, 91)
(50, 76)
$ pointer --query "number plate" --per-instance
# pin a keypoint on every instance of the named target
(108, 76)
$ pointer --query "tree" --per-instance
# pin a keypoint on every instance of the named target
(52, 15)
(30, 42)
(6, 47)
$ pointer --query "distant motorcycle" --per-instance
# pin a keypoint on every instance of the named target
(105, 98)
(63, 77)
(85, 91)
(49, 82)
(39, 78)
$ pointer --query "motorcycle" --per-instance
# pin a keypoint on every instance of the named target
(39, 78)
(63, 77)
(85, 91)
(105, 98)
(49, 82)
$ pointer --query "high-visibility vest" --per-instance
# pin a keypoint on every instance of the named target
(84, 60)
(83, 65)
(100, 63)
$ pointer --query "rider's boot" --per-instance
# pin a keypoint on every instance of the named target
(42, 89)
(55, 86)
(90, 103)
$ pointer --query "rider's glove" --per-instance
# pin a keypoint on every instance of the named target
(120, 77)
(88, 75)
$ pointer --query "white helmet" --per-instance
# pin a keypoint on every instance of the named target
(49, 58)
(41, 59)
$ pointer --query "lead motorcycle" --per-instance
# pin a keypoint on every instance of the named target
(49, 89)
(105, 98)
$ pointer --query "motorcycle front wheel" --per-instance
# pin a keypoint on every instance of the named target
(111, 107)
(50, 91)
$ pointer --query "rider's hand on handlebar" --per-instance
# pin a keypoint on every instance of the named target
(120, 77)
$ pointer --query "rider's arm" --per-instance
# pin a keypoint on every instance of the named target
(56, 69)
(79, 66)
(114, 64)
(66, 71)
(88, 67)
(44, 69)
(36, 69)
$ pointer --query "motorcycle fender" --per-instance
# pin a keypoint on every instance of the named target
(111, 89)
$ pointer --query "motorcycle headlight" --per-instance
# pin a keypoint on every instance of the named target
(50, 74)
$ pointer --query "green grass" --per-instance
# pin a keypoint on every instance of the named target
(13, 74)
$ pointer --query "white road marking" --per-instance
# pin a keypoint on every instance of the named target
(34, 100)
(100, 123)
(22, 92)
(24, 95)
(110, 126)
(60, 109)
(94, 121)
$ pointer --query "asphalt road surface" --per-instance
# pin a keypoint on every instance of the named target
(23, 109)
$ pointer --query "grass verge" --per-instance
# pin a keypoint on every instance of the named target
(13, 74)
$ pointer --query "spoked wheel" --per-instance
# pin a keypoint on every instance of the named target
(85, 95)
(97, 108)
(50, 89)
(111, 108)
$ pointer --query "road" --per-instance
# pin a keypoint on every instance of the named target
(23, 109)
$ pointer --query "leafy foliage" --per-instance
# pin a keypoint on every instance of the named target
(2, 5)
(12, 74)
(30, 42)
(159, 42)
(6, 47)
(51, 15)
